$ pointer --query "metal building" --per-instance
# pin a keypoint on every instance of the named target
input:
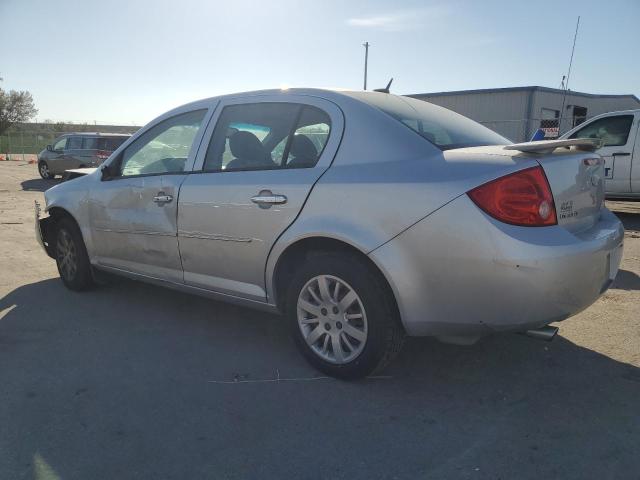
(517, 112)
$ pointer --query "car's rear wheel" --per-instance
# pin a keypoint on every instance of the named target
(71, 256)
(43, 170)
(342, 315)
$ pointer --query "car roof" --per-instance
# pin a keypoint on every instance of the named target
(337, 95)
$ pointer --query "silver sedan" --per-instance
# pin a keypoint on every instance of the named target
(362, 217)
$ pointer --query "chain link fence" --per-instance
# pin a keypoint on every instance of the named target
(24, 144)
(523, 129)
(27, 140)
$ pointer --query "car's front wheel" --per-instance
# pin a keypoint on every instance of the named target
(342, 315)
(43, 169)
(72, 259)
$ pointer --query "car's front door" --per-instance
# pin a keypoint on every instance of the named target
(261, 162)
(55, 157)
(616, 150)
(133, 210)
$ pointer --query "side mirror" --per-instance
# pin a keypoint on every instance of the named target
(49, 148)
(107, 174)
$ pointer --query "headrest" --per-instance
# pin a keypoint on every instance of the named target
(245, 145)
(303, 148)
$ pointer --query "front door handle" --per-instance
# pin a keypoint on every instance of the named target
(621, 154)
(162, 197)
(265, 199)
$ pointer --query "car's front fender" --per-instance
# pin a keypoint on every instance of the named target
(72, 198)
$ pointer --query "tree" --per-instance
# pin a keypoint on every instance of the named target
(15, 107)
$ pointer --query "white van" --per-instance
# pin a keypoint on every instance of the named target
(620, 149)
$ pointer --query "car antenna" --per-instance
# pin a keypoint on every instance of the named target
(385, 89)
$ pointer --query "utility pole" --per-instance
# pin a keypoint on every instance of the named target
(366, 59)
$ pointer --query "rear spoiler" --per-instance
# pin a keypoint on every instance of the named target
(548, 146)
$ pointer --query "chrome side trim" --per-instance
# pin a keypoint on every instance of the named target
(264, 306)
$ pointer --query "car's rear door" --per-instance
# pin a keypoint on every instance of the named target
(251, 187)
(133, 212)
(88, 155)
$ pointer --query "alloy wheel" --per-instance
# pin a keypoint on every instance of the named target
(332, 319)
(67, 255)
(44, 170)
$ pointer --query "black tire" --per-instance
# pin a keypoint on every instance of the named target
(72, 259)
(385, 335)
(43, 170)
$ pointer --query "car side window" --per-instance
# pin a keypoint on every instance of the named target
(59, 146)
(310, 137)
(74, 143)
(613, 131)
(246, 135)
(265, 136)
(164, 148)
(89, 143)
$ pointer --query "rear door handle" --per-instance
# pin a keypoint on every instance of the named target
(162, 197)
(621, 154)
(267, 198)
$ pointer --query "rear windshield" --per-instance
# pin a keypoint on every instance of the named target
(442, 127)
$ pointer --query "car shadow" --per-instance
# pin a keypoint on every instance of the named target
(626, 280)
(627, 211)
(130, 377)
(38, 184)
(631, 221)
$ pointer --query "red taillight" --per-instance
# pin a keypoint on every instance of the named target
(103, 155)
(521, 198)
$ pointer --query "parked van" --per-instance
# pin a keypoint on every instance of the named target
(77, 150)
(620, 149)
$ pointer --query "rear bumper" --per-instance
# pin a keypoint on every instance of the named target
(461, 273)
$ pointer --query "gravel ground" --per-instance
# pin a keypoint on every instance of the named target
(134, 381)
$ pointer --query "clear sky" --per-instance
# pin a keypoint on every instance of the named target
(127, 61)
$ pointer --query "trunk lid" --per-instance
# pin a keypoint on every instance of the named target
(574, 172)
(576, 178)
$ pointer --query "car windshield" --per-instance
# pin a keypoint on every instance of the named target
(440, 126)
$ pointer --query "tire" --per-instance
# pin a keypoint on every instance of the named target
(43, 170)
(359, 320)
(72, 259)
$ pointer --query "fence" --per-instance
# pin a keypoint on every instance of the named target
(19, 144)
(27, 139)
(523, 129)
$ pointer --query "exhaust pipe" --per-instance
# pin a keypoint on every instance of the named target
(545, 333)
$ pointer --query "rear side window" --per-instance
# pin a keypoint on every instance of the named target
(89, 143)
(110, 144)
(440, 126)
(613, 131)
(265, 136)
(74, 143)
(309, 139)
